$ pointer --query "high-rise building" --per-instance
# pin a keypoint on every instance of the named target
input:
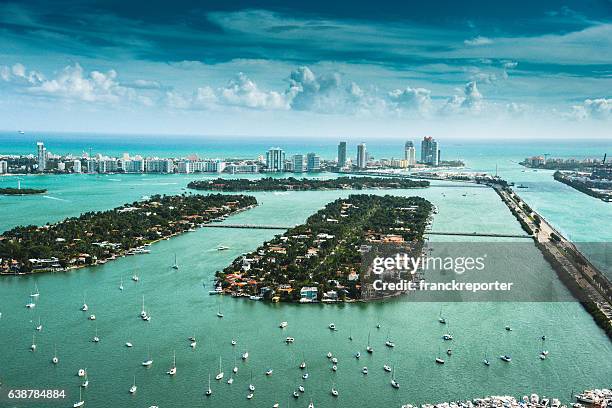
(42, 156)
(76, 166)
(341, 154)
(275, 159)
(430, 151)
(362, 156)
(313, 162)
(185, 166)
(410, 153)
(3, 167)
(298, 163)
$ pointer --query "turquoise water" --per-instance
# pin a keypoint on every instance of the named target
(580, 354)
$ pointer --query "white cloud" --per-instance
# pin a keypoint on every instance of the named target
(242, 91)
(418, 99)
(600, 108)
(470, 102)
(479, 40)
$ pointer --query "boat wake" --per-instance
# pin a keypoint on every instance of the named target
(56, 198)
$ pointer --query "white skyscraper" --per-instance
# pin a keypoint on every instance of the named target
(42, 156)
(275, 159)
(3, 167)
(362, 156)
(410, 153)
(298, 163)
(76, 166)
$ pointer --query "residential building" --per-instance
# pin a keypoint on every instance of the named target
(159, 166)
(362, 156)
(184, 166)
(275, 159)
(430, 151)
(42, 156)
(76, 166)
(298, 163)
(410, 153)
(341, 154)
(234, 168)
(313, 162)
(308, 294)
(3, 167)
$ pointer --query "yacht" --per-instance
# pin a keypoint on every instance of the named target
(245, 355)
(439, 360)
(301, 388)
(332, 326)
(92, 317)
(30, 305)
(289, 340)
(295, 394)
(269, 372)
(506, 358)
(508, 328)
(305, 376)
(220, 373)
(389, 344)
(230, 380)
(250, 395)
(172, 370)
(82, 372)
(329, 354)
(387, 368)
(133, 388)
(334, 368)
(282, 325)
(334, 360)
(364, 370)
(135, 278)
(357, 355)
(85, 383)
(449, 352)
(128, 344)
(234, 342)
(80, 403)
(334, 391)
(222, 248)
(209, 390)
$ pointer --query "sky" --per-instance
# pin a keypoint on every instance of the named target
(482, 69)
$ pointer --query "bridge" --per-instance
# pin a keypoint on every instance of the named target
(284, 227)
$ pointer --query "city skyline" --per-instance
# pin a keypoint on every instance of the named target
(234, 70)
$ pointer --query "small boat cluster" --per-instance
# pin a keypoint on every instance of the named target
(597, 398)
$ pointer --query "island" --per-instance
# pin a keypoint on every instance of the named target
(304, 184)
(21, 191)
(97, 237)
(598, 186)
(321, 260)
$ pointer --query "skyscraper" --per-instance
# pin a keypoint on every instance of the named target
(341, 154)
(410, 153)
(298, 163)
(430, 151)
(42, 156)
(313, 162)
(275, 159)
(362, 156)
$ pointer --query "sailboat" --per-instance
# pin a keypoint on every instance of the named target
(36, 293)
(334, 391)
(148, 361)
(439, 359)
(143, 313)
(448, 335)
(389, 343)
(135, 277)
(350, 337)
(311, 405)
(303, 363)
(172, 370)
(441, 318)
(219, 314)
(485, 360)
(220, 374)
(175, 266)
(33, 346)
(369, 348)
(133, 388)
(80, 403)
(39, 327)
(245, 355)
(543, 352)
(251, 386)
(235, 369)
(55, 360)
(193, 341)
(121, 284)
(209, 390)
(85, 383)
(84, 307)
(394, 383)
(96, 339)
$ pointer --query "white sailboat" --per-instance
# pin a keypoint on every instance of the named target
(441, 318)
(439, 359)
(369, 348)
(219, 313)
(394, 382)
(80, 402)
(135, 277)
(85, 383)
(55, 359)
(209, 390)
(121, 284)
(235, 369)
(133, 388)
(149, 360)
(172, 370)
(36, 293)
(175, 266)
(220, 374)
(251, 386)
(33, 346)
(96, 339)
(334, 391)
(84, 307)
(245, 355)
(39, 327)
(485, 360)
(303, 363)
(389, 343)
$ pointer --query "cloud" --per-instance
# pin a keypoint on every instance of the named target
(242, 91)
(600, 108)
(418, 99)
(479, 40)
(470, 102)
(18, 74)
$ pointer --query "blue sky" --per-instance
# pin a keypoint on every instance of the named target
(274, 68)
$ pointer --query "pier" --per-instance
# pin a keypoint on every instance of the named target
(284, 227)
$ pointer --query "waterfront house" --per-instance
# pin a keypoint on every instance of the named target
(308, 294)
